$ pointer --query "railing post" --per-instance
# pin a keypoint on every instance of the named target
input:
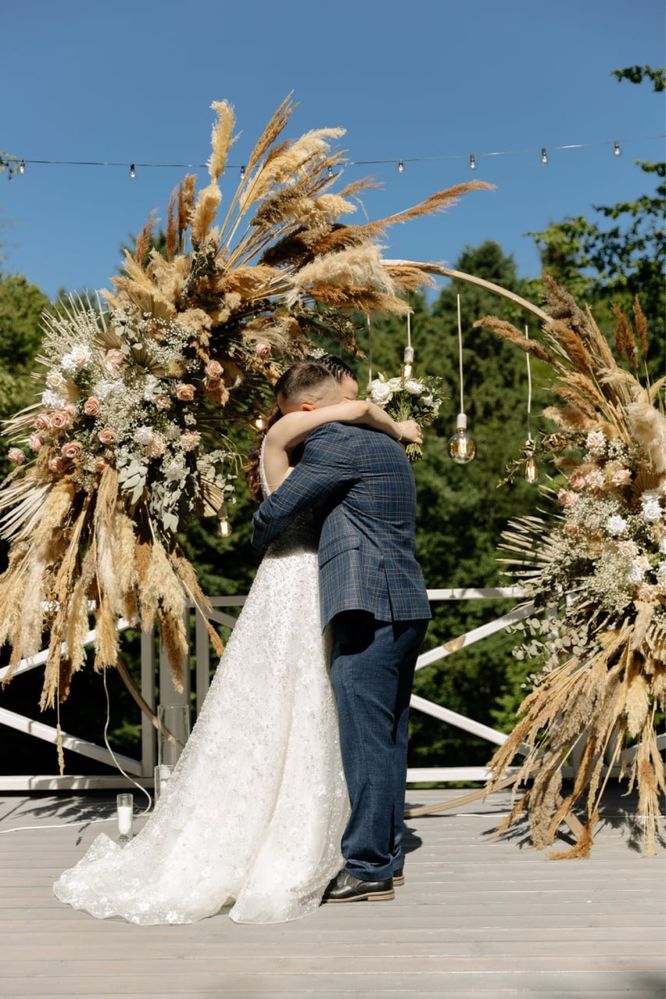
(148, 694)
(202, 651)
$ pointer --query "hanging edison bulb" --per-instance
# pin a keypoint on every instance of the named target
(408, 362)
(530, 468)
(259, 423)
(223, 522)
(462, 447)
(531, 472)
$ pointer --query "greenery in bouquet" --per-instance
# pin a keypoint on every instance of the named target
(142, 402)
(594, 567)
(408, 399)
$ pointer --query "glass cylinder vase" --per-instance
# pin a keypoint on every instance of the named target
(172, 735)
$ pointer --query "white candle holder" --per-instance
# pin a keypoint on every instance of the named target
(125, 815)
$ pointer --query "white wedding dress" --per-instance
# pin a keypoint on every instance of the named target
(255, 809)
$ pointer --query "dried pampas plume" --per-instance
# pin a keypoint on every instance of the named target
(192, 337)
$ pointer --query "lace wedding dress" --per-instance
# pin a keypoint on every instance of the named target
(255, 809)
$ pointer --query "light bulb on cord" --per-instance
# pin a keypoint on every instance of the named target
(242, 171)
(617, 149)
(531, 471)
(330, 170)
(132, 171)
(401, 166)
(544, 155)
(224, 526)
(462, 447)
(408, 355)
(259, 423)
(472, 161)
(21, 167)
(530, 468)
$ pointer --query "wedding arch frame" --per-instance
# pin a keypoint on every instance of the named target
(155, 675)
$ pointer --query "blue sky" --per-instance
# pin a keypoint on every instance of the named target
(132, 81)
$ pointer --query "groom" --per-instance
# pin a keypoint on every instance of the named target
(359, 485)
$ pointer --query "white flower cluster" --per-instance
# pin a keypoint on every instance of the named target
(78, 357)
(596, 443)
(383, 390)
(650, 506)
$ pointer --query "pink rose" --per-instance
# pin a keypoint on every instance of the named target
(185, 392)
(156, 448)
(162, 402)
(190, 439)
(100, 464)
(72, 450)
(91, 406)
(41, 422)
(61, 420)
(263, 350)
(16, 456)
(214, 371)
(621, 477)
(113, 361)
(56, 465)
(565, 497)
(107, 436)
(35, 442)
(577, 479)
(571, 530)
(70, 408)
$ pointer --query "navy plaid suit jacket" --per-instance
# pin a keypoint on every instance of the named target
(360, 486)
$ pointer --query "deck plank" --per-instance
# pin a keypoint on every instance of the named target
(477, 917)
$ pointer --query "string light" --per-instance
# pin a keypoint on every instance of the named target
(462, 447)
(330, 170)
(132, 171)
(472, 158)
(242, 171)
(259, 423)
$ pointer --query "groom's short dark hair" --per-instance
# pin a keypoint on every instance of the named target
(301, 377)
(309, 374)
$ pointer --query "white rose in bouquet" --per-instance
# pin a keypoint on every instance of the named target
(380, 392)
(413, 386)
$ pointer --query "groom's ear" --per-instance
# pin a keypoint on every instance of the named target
(307, 407)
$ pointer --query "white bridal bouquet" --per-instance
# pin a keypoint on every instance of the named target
(408, 399)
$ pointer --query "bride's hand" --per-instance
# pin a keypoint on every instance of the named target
(410, 432)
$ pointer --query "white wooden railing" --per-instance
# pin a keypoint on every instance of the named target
(155, 676)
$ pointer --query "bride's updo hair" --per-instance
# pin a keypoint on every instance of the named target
(301, 376)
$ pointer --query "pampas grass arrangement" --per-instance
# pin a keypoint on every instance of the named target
(117, 452)
(596, 570)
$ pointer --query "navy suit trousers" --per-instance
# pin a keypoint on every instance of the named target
(372, 673)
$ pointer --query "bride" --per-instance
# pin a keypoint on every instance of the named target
(255, 809)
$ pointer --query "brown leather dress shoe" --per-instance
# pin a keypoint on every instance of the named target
(346, 888)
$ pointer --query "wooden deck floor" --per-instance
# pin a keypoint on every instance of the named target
(476, 918)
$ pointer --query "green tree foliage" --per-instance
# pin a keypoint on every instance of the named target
(21, 307)
(622, 252)
(461, 513)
